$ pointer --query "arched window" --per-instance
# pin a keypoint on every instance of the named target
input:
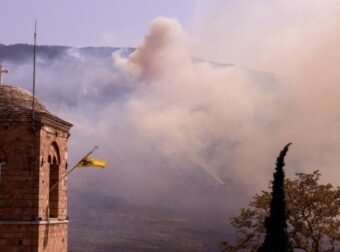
(3, 160)
(54, 161)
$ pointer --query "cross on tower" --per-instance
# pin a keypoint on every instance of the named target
(1, 72)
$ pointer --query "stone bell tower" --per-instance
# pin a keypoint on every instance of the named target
(33, 157)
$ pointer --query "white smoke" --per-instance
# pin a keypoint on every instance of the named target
(196, 110)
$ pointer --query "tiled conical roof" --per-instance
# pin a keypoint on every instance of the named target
(16, 105)
(17, 101)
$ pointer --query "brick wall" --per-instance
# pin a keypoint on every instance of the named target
(18, 238)
(52, 141)
(19, 187)
(30, 158)
(37, 237)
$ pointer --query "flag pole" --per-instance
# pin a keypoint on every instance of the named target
(34, 62)
(73, 168)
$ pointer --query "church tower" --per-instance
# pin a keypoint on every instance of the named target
(33, 158)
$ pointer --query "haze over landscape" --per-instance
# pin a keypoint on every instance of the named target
(189, 115)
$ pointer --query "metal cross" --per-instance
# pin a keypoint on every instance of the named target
(1, 72)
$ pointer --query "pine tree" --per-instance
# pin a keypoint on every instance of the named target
(276, 239)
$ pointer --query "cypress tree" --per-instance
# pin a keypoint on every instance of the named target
(276, 239)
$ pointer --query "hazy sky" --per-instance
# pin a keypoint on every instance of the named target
(241, 32)
(85, 22)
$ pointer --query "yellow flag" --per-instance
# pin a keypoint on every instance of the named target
(88, 162)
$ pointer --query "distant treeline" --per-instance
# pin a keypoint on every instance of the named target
(18, 53)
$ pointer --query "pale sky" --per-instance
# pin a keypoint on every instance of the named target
(85, 22)
(242, 32)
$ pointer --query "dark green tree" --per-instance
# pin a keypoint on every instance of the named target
(276, 239)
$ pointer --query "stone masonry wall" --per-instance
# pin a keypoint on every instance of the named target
(53, 238)
(18, 238)
(51, 137)
(19, 183)
(43, 237)
(24, 189)
(33, 156)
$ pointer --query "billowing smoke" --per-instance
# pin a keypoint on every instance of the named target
(196, 110)
(298, 41)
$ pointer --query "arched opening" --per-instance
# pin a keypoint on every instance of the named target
(54, 161)
(3, 161)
